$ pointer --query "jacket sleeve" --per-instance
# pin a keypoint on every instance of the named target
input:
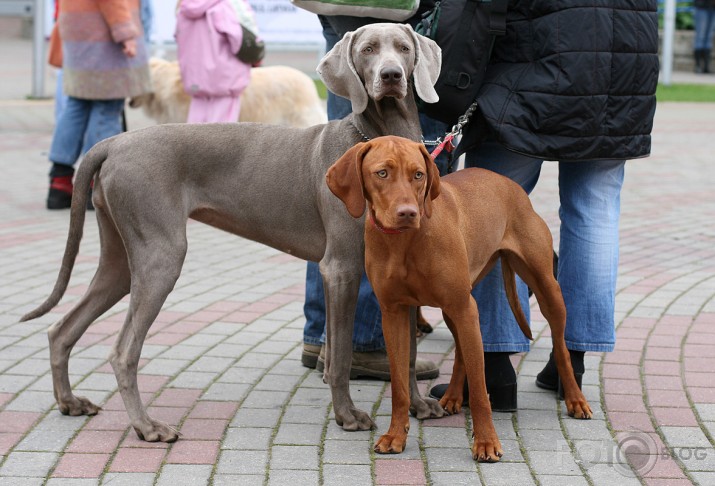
(226, 22)
(118, 15)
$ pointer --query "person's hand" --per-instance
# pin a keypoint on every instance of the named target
(129, 47)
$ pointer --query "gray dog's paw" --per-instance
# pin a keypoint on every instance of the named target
(425, 408)
(354, 419)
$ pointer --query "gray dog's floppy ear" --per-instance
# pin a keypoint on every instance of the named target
(428, 61)
(344, 179)
(338, 72)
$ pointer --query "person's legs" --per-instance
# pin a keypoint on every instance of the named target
(588, 250)
(500, 331)
(65, 150)
(501, 334)
(105, 120)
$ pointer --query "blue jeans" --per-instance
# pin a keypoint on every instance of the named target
(82, 124)
(704, 19)
(589, 193)
(367, 332)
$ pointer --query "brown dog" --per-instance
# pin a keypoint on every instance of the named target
(478, 217)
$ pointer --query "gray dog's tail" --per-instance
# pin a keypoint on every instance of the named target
(91, 163)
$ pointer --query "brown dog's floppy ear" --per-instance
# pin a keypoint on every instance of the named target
(432, 186)
(428, 61)
(338, 72)
(344, 179)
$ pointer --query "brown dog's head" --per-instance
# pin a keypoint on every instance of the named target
(396, 176)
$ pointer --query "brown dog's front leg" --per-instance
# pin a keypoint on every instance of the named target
(396, 328)
(486, 446)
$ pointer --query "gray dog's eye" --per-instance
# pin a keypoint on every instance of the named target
(367, 50)
(405, 49)
(381, 173)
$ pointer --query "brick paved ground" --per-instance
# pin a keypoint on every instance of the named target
(222, 361)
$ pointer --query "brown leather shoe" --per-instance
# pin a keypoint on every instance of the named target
(309, 358)
(375, 364)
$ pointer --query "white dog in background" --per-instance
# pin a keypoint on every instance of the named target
(278, 95)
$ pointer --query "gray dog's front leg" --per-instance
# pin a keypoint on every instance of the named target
(340, 316)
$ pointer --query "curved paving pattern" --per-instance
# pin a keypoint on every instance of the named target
(222, 362)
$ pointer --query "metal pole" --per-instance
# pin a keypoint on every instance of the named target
(668, 36)
(38, 50)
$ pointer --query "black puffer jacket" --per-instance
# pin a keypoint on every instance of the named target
(574, 80)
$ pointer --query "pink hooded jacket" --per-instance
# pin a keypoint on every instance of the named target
(207, 37)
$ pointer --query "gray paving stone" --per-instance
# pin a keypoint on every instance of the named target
(439, 478)
(559, 462)
(704, 478)
(42, 440)
(294, 457)
(164, 366)
(542, 440)
(253, 417)
(189, 379)
(238, 480)
(266, 399)
(450, 460)
(184, 475)
(506, 474)
(28, 464)
(21, 481)
(538, 419)
(242, 462)
(344, 474)
(298, 434)
(72, 482)
(32, 401)
(689, 437)
(619, 474)
(445, 436)
(128, 479)
(294, 478)
(233, 392)
(299, 414)
(346, 452)
(247, 438)
(275, 382)
(553, 480)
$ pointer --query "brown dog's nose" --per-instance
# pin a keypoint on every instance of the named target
(391, 75)
(406, 212)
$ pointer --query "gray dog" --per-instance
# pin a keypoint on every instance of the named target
(262, 182)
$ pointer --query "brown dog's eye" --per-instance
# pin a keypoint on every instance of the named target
(381, 173)
(419, 175)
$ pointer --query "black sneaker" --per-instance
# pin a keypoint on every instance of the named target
(501, 384)
(60, 195)
(548, 378)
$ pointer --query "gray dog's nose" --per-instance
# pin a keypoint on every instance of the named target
(391, 75)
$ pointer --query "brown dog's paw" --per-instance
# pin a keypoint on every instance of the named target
(78, 406)
(391, 444)
(452, 404)
(427, 408)
(579, 408)
(487, 450)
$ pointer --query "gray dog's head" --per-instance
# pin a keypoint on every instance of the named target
(377, 60)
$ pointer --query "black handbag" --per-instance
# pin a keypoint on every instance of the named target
(466, 31)
(252, 49)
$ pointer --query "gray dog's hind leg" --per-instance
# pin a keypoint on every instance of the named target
(109, 285)
(158, 265)
(420, 407)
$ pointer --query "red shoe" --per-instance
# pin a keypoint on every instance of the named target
(60, 196)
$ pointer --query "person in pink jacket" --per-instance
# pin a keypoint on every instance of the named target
(208, 36)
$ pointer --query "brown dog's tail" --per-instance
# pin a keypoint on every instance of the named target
(510, 286)
(91, 163)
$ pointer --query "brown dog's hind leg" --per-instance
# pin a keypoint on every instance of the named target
(109, 285)
(535, 267)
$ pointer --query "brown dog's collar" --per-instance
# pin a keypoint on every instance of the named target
(380, 228)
